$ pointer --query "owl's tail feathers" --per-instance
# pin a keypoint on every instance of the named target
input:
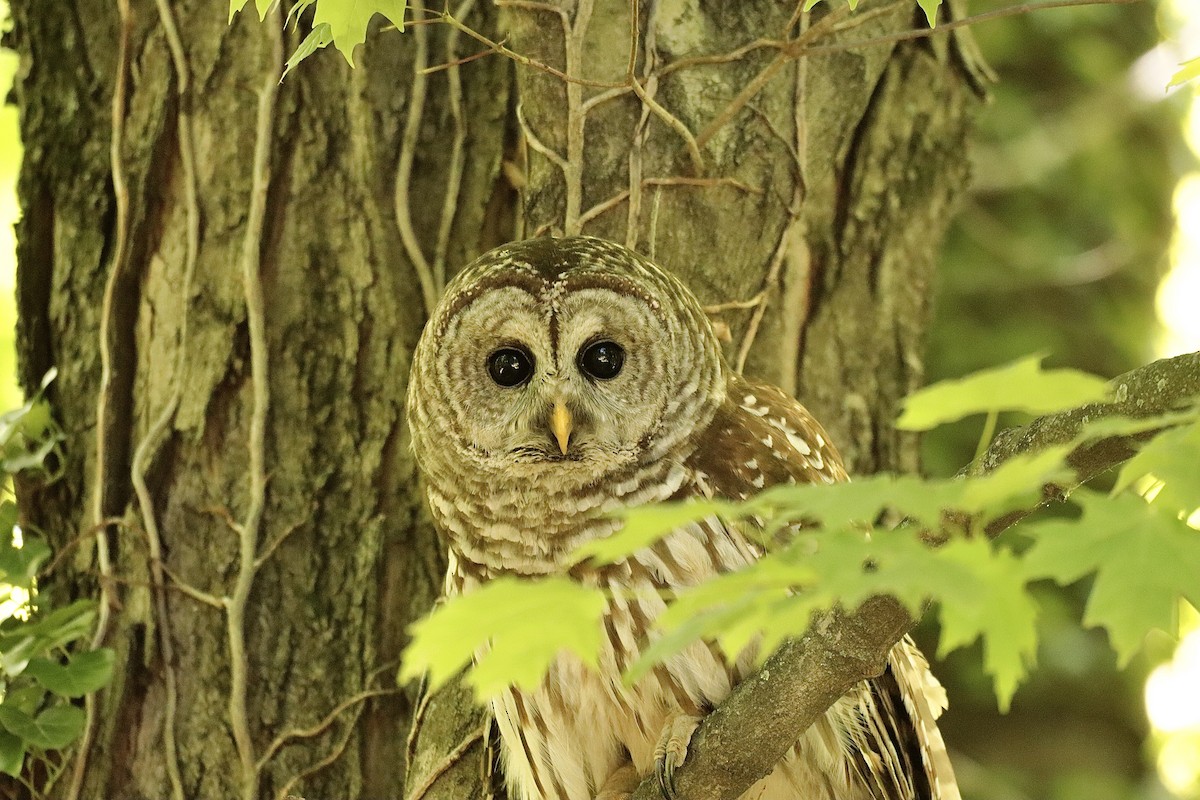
(925, 700)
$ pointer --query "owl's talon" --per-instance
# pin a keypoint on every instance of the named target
(671, 751)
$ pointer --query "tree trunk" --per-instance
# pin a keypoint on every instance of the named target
(230, 275)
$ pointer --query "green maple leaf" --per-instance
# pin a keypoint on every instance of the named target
(772, 596)
(1020, 386)
(1171, 458)
(515, 628)
(1017, 483)
(1144, 556)
(644, 526)
(1188, 71)
(348, 20)
(262, 6)
(993, 604)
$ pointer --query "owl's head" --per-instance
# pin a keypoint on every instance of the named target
(561, 359)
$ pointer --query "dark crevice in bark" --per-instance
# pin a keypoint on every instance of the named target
(848, 170)
(146, 208)
(129, 718)
(35, 253)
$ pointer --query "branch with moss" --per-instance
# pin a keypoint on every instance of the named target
(743, 739)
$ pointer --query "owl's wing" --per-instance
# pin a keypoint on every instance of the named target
(762, 437)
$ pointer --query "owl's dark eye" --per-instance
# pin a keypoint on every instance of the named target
(602, 360)
(510, 366)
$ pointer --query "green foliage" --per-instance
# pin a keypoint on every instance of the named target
(513, 628)
(840, 549)
(342, 23)
(1046, 253)
(1019, 386)
(39, 672)
(930, 7)
(1188, 71)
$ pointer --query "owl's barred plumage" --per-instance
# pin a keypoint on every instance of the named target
(517, 476)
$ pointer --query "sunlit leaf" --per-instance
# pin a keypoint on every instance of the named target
(55, 629)
(514, 627)
(320, 36)
(19, 565)
(1172, 457)
(691, 628)
(853, 568)
(348, 20)
(1020, 386)
(53, 729)
(732, 607)
(298, 8)
(859, 501)
(1145, 559)
(262, 6)
(643, 527)
(1116, 425)
(930, 7)
(998, 608)
(1017, 483)
(1188, 71)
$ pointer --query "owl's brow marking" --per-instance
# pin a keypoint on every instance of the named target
(514, 278)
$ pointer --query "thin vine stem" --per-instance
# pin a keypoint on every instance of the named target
(249, 529)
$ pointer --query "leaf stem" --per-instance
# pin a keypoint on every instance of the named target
(985, 439)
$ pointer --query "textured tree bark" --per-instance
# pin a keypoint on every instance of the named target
(230, 275)
(268, 694)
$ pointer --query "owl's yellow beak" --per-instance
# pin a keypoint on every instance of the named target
(560, 424)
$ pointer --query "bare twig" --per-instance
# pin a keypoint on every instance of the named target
(446, 763)
(573, 35)
(188, 590)
(625, 194)
(248, 535)
(455, 169)
(333, 755)
(320, 727)
(273, 545)
(734, 305)
(458, 62)
(408, 150)
(737, 54)
(750, 90)
(922, 33)
(770, 283)
(537, 144)
(498, 47)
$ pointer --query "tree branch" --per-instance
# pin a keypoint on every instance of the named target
(743, 739)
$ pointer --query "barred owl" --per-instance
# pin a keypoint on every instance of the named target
(562, 378)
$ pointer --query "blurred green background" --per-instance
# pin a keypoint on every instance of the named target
(1063, 247)
(1086, 197)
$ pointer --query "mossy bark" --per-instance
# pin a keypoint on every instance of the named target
(825, 195)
